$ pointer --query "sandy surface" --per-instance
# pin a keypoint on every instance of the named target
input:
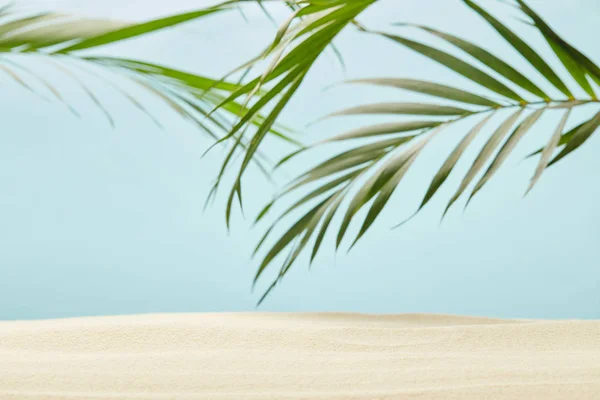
(298, 356)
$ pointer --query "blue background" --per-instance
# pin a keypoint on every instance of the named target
(99, 221)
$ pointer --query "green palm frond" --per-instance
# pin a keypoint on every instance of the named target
(57, 40)
(366, 176)
(299, 41)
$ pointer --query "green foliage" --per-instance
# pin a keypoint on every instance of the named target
(368, 174)
(58, 40)
(363, 177)
(299, 41)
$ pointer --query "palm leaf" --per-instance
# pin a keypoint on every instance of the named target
(384, 129)
(463, 68)
(369, 174)
(490, 60)
(450, 163)
(548, 151)
(579, 137)
(297, 45)
(431, 89)
(57, 39)
(578, 65)
(508, 147)
(526, 51)
(402, 109)
(486, 152)
(131, 31)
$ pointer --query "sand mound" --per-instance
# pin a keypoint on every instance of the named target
(298, 356)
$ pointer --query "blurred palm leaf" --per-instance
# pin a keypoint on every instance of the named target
(299, 41)
(57, 39)
(368, 174)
